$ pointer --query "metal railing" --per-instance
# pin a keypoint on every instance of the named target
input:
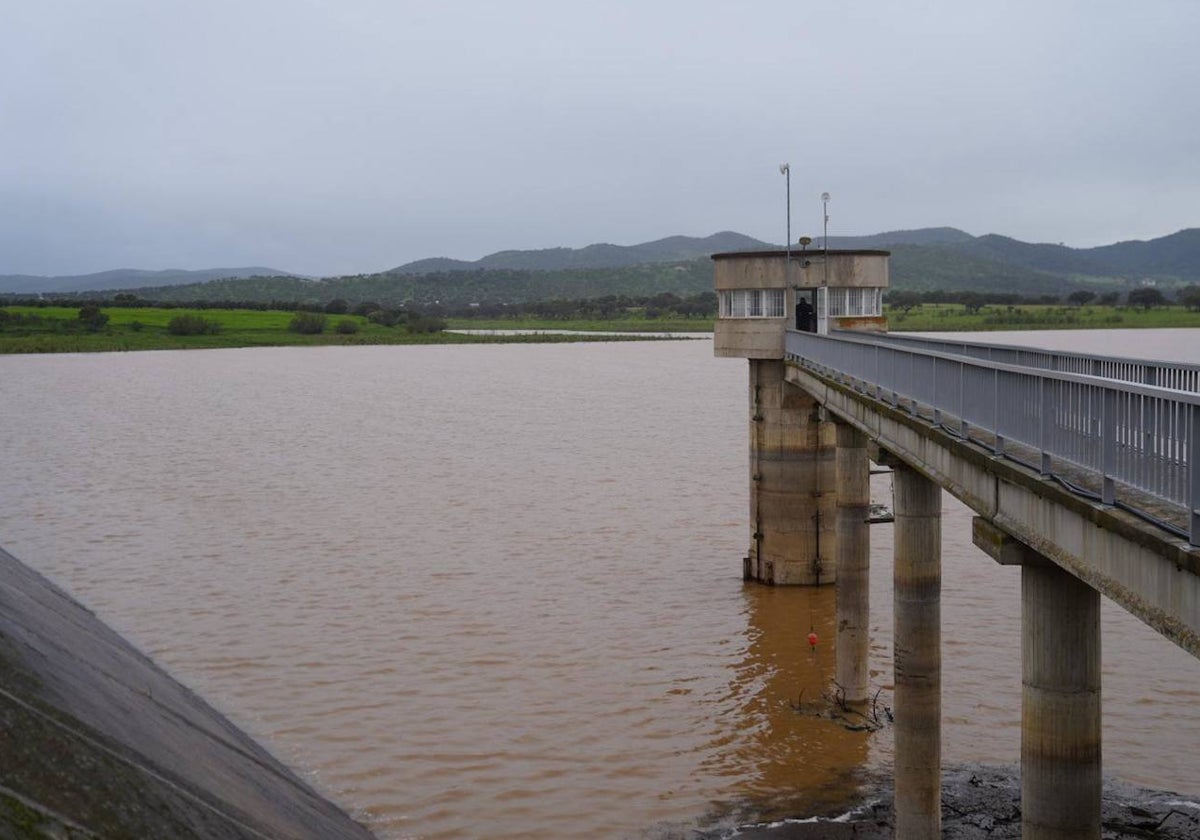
(1126, 434)
(1177, 375)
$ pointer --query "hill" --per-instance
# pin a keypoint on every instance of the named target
(601, 255)
(124, 278)
(923, 259)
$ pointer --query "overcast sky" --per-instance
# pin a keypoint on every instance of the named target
(343, 136)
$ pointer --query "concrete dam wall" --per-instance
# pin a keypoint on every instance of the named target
(98, 741)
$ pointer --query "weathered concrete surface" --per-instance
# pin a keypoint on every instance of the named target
(984, 802)
(917, 654)
(793, 483)
(853, 564)
(1060, 707)
(98, 741)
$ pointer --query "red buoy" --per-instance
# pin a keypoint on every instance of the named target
(812, 640)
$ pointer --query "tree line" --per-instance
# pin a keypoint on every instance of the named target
(426, 317)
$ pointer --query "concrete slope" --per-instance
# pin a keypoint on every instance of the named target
(96, 740)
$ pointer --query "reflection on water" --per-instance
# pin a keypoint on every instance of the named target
(786, 754)
(496, 591)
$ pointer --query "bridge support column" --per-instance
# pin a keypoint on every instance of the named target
(853, 563)
(792, 482)
(918, 655)
(1060, 711)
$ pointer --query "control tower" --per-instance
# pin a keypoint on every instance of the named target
(793, 493)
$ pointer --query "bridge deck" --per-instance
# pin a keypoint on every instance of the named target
(1127, 531)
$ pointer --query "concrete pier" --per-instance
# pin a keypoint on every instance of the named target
(918, 654)
(1060, 710)
(853, 563)
(793, 490)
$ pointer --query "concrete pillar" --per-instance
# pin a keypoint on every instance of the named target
(1060, 709)
(918, 655)
(793, 489)
(853, 563)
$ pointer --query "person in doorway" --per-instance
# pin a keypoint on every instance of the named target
(804, 315)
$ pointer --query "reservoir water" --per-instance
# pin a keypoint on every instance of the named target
(496, 590)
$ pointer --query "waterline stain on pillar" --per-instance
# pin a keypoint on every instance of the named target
(853, 563)
(1060, 709)
(793, 483)
(918, 654)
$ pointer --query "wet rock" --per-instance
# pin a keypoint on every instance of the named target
(984, 802)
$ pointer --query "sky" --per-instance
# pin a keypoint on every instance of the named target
(331, 137)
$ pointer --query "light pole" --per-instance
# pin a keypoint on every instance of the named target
(786, 171)
(823, 306)
(825, 209)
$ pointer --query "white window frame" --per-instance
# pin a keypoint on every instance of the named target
(752, 303)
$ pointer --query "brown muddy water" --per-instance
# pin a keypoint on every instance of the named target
(496, 590)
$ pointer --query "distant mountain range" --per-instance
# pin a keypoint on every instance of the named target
(603, 255)
(125, 278)
(926, 258)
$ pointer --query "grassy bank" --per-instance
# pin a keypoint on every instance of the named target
(626, 323)
(955, 317)
(59, 330)
(929, 317)
(50, 329)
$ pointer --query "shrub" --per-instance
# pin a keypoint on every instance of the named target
(93, 317)
(384, 317)
(307, 323)
(425, 324)
(346, 327)
(191, 325)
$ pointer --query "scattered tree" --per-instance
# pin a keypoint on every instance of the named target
(972, 301)
(1081, 297)
(1189, 296)
(1146, 297)
(902, 300)
(93, 317)
(337, 306)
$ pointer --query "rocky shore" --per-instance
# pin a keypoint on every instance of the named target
(985, 802)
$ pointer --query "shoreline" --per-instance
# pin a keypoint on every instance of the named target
(979, 801)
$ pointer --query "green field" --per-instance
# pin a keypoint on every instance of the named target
(625, 323)
(929, 317)
(954, 316)
(59, 330)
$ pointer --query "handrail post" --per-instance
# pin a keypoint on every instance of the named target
(937, 400)
(964, 427)
(1044, 425)
(1108, 445)
(879, 389)
(1194, 476)
(998, 443)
